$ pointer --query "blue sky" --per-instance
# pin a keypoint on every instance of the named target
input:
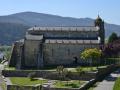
(108, 9)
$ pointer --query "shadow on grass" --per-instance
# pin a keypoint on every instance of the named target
(34, 79)
(72, 85)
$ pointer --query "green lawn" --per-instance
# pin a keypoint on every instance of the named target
(93, 68)
(117, 84)
(74, 69)
(68, 84)
(26, 81)
(83, 69)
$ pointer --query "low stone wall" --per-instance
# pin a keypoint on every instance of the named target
(105, 71)
(17, 87)
(88, 85)
(24, 73)
(48, 74)
(86, 76)
(47, 88)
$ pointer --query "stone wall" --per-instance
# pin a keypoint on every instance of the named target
(17, 87)
(47, 74)
(38, 87)
(35, 53)
(17, 54)
(31, 50)
(53, 54)
(56, 54)
(64, 54)
(105, 71)
(50, 88)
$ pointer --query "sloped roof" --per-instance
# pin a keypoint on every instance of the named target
(65, 28)
(34, 37)
(72, 41)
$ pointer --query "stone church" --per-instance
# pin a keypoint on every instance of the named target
(52, 46)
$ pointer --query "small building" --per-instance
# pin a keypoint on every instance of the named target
(53, 46)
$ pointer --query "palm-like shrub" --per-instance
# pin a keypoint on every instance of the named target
(31, 75)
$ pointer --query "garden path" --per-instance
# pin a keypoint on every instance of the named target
(49, 83)
(108, 82)
(1, 79)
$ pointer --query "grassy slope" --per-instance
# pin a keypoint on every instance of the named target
(117, 84)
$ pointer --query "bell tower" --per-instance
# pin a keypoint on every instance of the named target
(100, 23)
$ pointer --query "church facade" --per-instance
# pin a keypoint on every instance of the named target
(53, 46)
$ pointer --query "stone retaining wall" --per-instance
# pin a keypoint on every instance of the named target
(17, 87)
(48, 74)
(100, 75)
(105, 71)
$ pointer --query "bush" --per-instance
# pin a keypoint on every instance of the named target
(60, 69)
(31, 75)
(112, 37)
(79, 69)
(63, 72)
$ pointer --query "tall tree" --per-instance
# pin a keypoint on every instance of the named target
(111, 49)
(112, 37)
(91, 54)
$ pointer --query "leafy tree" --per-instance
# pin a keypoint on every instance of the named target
(7, 55)
(91, 54)
(6, 50)
(111, 49)
(112, 37)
